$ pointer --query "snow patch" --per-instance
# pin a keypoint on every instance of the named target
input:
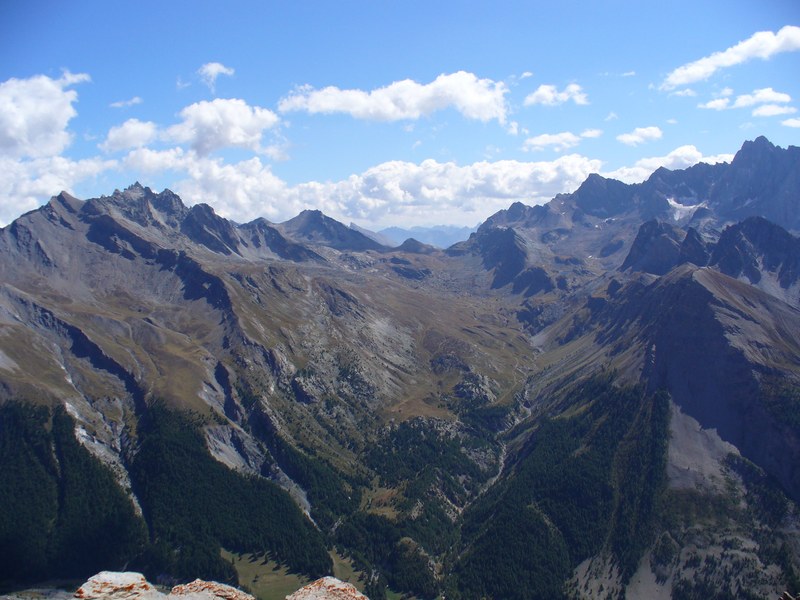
(681, 211)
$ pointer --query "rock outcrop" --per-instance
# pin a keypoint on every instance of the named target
(110, 585)
(327, 588)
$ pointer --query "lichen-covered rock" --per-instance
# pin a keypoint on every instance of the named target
(209, 589)
(108, 585)
(327, 588)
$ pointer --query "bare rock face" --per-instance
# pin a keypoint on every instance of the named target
(327, 588)
(108, 585)
(208, 589)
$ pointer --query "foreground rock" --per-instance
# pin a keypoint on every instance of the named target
(108, 585)
(327, 588)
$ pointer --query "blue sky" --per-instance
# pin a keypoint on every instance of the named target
(382, 113)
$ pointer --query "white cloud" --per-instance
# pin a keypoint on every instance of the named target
(685, 93)
(640, 135)
(389, 193)
(210, 71)
(773, 110)
(24, 184)
(480, 99)
(680, 158)
(126, 103)
(559, 141)
(716, 104)
(762, 96)
(791, 123)
(549, 95)
(629, 74)
(763, 45)
(221, 123)
(434, 192)
(765, 96)
(133, 133)
(592, 133)
(612, 116)
(34, 114)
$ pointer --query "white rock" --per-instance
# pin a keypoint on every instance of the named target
(327, 588)
(108, 585)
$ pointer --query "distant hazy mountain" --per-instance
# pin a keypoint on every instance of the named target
(593, 397)
(440, 236)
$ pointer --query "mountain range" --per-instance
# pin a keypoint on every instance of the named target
(597, 397)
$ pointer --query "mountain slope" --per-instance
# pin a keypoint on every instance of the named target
(566, 392)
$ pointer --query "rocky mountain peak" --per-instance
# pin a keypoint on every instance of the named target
(136, 190)
(755, 249)
(602, 197)
(416, 247)
(170, 204)
(656, 248)
(315, 227)
(757, 150)
(66, 200)
(203, 226)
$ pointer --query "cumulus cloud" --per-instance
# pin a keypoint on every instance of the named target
(23, 184)
(559, 141)
(549, 95)
(480, 99)
(716, 104)
(769, 100)
(389, 193)
(126, 103)
(763, 45)
(133, 133)
(210, 71)
(680, 158)
(640, 135)
(34, 114)
(441, 192)
(773, 110)
(791, 122)
(762, 96)
(221, 123)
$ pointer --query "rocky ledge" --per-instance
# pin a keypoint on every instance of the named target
(109, 585)
(327, 588)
